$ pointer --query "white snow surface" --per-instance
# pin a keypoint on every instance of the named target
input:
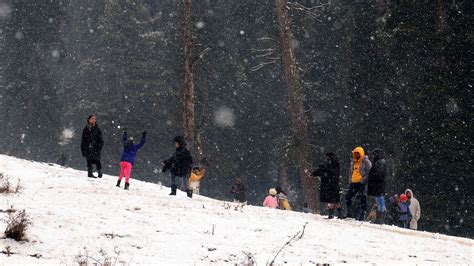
(73, 215)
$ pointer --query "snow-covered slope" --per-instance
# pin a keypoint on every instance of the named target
(77, 218)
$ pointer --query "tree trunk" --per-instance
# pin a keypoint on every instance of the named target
(296, 107)
(441, 17)
(188, 99)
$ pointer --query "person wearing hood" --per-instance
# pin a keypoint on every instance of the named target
(271, 201)
(91, 145)
(180, 165)
(128, 157)
(359, 171)
(415, 209)
(376, 185)
(329, 174)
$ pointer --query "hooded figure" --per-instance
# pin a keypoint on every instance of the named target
(415, 209)
(360, 167)
(91, 145)
(376, 185)
(180, 165)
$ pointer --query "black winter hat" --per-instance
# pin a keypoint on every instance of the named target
(377, 154)
(181, 141)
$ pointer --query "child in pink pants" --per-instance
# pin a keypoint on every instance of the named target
(128, 157)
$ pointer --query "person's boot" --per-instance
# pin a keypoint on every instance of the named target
(189, 192)
(173, 190)
(89, 172)
(339, 214)
(118, 183)
(127, 185)
(99, 175)
(331, 213)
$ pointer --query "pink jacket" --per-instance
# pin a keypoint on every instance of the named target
(270, 202)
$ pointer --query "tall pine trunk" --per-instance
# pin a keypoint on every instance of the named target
(188, 99)
(296, 107)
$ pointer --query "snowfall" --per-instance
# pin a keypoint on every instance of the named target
(78, 219)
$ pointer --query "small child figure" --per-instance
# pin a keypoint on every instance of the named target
(403, 211)
(197, 174)
(128, 157)
(271, 201)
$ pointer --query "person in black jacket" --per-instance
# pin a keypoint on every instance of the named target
(376, 182)
(91, 145)
(179, 165)
(329, 173)
(239, 191)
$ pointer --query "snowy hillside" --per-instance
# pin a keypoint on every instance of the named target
(75, 218)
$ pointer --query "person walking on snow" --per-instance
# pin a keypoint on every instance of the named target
(415, 209)
(128, 157)
(271, 201)
(91, 145)
(360, 167)
(329, 174)
(179, 165)
(376, 185)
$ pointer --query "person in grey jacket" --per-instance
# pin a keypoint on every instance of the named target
(359, 172)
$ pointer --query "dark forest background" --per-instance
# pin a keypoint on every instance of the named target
(378, 73)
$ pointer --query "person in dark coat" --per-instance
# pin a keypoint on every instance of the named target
(239, 191)
(329, 173)
(180, 165)
(128, 157)
(91, 145)
(376, 182)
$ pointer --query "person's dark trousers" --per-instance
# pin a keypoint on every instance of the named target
(185, 181)
(354, 188)
(90, 162)
(330, 213)
(404, 224)
(361, 207)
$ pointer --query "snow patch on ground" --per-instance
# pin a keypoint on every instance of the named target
(76, 218)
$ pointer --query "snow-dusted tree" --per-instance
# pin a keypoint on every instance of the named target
(296, 108)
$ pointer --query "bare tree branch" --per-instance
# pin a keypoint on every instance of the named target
(297, 236)
(259, 66)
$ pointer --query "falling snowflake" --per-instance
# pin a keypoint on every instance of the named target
(200, 25)
(4, 10)
(224, 117)
(66, 135)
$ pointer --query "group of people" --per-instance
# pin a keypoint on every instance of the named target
(367, 178)
(180, 165)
